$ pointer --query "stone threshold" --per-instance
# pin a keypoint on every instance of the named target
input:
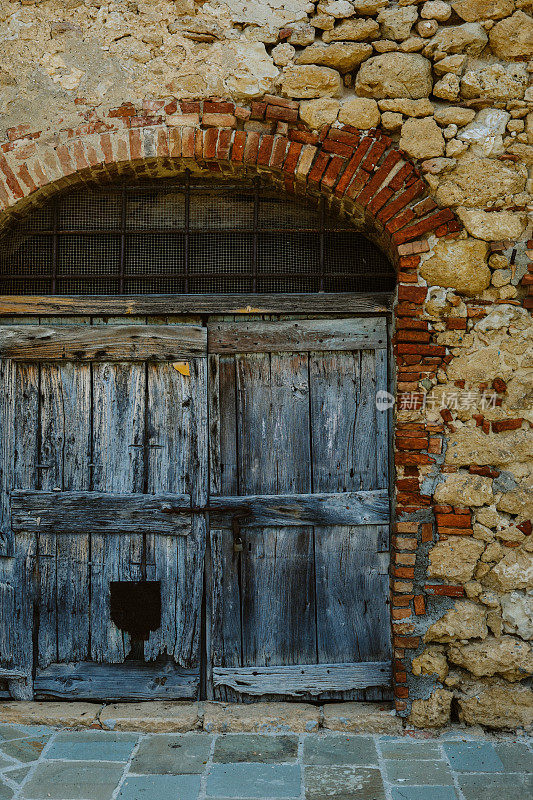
(207, 716)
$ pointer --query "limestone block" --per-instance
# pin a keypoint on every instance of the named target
(283, 54)
(454, 115)
(427, 28)
(252, 70)
(422, 138)
(519, 501)
(361, 112)
(301, 34)
(517, 614)
(476, 182)
(453, 64)
(463, 489)
(310, 81)
(433, 712)
(322, 111)
(361, 718)
(504, 316)
(344, 56)
(336, 8)
(454, 559)
(485, 132)
(157, 717)
(498, 706)
(475, 10)
(460, 265)
(471, 446)
(514, 571)
(512, 658)
(513, 37)
(410, 108)
(496, 81)
(396, 22)
(448, 88)
(469, 38)
(368, 8)
(492, 226)
(431, 662)
(264, 12)
(467, 620)
(436, 9)
(260, 717)
(65, 715)
(394, 75)
(352, 30)
(391, 121)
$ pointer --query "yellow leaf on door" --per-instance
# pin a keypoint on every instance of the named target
(182, 367)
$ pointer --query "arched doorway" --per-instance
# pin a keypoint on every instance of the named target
(195, 472)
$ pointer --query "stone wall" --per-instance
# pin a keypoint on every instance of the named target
(416, 119)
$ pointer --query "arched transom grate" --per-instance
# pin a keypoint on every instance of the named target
(188, 237)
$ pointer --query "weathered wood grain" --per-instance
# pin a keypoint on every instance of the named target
(114, 682)
(118, 456)
(7, 409)
(297, 335)
(338, 303)
(303, 679)
(102, 342)
(115, 513)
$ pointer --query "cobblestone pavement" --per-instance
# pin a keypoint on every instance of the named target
(41, 763)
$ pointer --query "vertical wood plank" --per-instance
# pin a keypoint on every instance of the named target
(7, 406)
(65, 448)
(118, 456)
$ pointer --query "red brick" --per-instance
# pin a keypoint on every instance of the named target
(345, 136)
(401, 691)
(426, 532)
(412, 458)
(415, 294)
(487, 472)
(280, 113)
(407, 484)
(318, 167)
(332, 172)
(218, 107)
(251, 147)
(219, 120)
(402, 174)
(419, 604)
(379, 200)
(257, 110)
(265, 150)
(293, 154)
(401, 219)
(358, 181)
(125, 110)
(403, 199)
(499, 385)
(412, 336)
(340, 149)
(421, 349)
(210, 143)
(408, 642)
(224, 144)
(304, 137)
(379, 177)
(239, 143)
(424, 226)
(454, 520)
(283, 102)
(375, 153)
(456, 323)
(410, 443)
(353, 164)
(445, 590)
(279, 152)
(506, 425)
(190, 106)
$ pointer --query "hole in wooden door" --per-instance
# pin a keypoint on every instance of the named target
(136, 607)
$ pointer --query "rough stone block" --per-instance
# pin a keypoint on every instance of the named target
(65, 715)
(260, 717)
(157, 716)
(361, 718)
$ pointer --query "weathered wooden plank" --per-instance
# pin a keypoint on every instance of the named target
(128, 681)
(297, 335)
(118, 456)
(335, 303)
(303, 679)
(167, 514)
(12, 674)
(66, 453)
(7, 409)
(352, 595)
(102, 342)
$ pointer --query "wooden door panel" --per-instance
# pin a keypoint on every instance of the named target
(298, 421)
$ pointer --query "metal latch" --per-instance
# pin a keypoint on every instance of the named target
(237, 517)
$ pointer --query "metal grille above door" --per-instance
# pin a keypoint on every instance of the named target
(189, 237)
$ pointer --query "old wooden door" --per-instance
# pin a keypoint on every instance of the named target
(102, 425)
(299, 590)
(122, 443)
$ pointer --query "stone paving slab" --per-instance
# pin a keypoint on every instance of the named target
(95, 764)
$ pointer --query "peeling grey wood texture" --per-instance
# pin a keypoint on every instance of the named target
(102, 342)
(297, 336)
(128, 681)
(338, 303)
(304, 680)
(169, 514)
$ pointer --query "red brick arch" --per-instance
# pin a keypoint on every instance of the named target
(360, 173)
